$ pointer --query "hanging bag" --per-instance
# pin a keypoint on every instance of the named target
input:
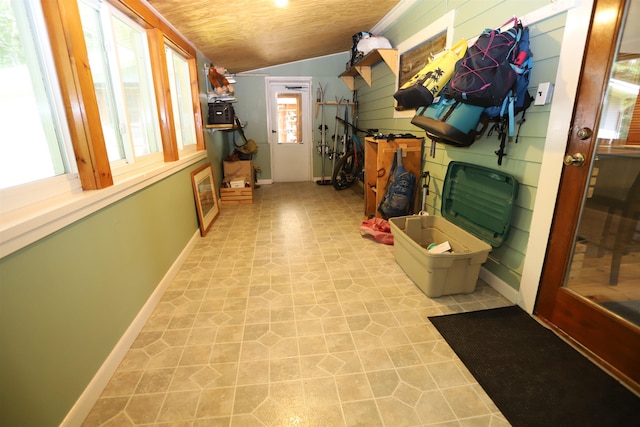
(399, 195)
(450, 121)
(486, 73)
(246, 150)
(494, 73)
(425, 85)
(517, 100)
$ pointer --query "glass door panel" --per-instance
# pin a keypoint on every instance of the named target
(289, 120)
(605, 265)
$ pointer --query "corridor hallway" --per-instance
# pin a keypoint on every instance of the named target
(283, 315)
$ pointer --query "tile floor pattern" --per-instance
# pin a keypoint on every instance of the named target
(285, 316)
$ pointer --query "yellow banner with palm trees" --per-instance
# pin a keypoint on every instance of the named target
(426, 84)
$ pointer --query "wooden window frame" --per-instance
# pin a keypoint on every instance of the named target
(76, 84)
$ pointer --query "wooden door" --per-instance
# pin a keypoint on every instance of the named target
(609, 337)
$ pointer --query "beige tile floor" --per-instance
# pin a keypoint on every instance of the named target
(283, 315)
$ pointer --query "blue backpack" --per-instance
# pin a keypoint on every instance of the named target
(517, 97)
(486, 73)
(494, 74)
(517, 100)
(398, 198)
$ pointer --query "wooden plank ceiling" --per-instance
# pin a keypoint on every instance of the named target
(244, 35)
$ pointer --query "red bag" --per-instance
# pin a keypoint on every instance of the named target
(377, 228)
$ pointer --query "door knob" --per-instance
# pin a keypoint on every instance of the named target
(574, 159)
(584, 133)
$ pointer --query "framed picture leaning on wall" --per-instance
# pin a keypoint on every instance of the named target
(206, 196)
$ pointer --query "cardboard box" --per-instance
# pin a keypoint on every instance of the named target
(237, 183)
(438, 274)
(239, 169)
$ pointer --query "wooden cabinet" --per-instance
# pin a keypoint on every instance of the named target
(378, 161)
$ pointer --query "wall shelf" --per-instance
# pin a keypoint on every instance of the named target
(221, 127)
(363, 67)
(214, 97)
(352, 104)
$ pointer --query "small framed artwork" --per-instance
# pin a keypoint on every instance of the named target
(416, 51)
(204, 191)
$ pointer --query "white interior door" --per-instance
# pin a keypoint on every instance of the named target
(290, 128)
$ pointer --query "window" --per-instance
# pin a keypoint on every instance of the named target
(34, 138)
(180, 88)
(68, 127)
(289, 108)
(121, 70)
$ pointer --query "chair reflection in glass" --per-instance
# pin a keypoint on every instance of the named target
(617, 188)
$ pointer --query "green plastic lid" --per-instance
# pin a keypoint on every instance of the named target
(479, 200)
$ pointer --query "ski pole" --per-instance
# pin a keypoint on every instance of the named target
(335, 136)
(320, 99)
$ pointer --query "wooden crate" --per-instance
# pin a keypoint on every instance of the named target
(235, 196)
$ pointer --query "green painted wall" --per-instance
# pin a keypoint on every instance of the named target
(68, 298)
(524, 159)
(252, 104)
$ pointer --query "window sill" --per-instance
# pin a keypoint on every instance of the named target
(30, 224)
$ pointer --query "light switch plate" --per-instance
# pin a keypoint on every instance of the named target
(544, 93)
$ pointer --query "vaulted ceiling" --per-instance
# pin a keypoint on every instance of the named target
(244, 35)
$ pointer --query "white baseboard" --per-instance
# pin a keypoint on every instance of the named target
(499, 285)
(326, 178)
(265, 181)
(90, 395)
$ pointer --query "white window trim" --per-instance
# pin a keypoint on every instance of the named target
(121, 169)
(189, 149)
(24, 226)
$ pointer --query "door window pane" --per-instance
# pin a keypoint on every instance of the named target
(289, 129)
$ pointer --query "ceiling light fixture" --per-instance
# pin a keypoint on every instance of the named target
(281, 3)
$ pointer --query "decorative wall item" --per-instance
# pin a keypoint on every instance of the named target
(414, 59)
(204, 191)
(415, 52)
